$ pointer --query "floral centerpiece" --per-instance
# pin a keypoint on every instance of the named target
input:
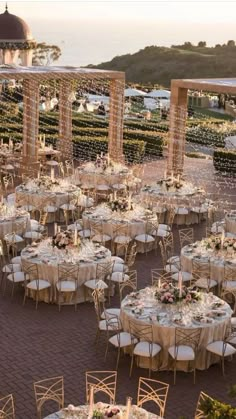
(169, 293)
(218, 242)
(120, 204)
(63, 239)
(171, 183)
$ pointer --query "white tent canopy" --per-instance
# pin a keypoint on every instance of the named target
(129, 92)
(159, 94)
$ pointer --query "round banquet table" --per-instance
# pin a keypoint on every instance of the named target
(217, 259)
(48, 258)
(8, 223)
(136, 223)
(47, 151)
(230, 223)
(143, 308)
(190, 198)
(81, 412)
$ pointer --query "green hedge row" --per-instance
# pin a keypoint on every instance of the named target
(206, 136)
(225, 160)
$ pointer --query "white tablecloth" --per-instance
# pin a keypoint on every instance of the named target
(164, 335)
(230, 223)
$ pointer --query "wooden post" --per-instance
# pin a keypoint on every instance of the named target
(176, 145)
(116, 112)
(65, 145)
(30, 122)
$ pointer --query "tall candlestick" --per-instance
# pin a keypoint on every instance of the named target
(91, 401)
(55, 229)
(115, 195)
(128, 407)
(59, 229)
(165, 174)
(180, 284)
(76, 236)
(222, 238)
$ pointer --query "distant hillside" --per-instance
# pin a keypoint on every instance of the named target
(155, 64)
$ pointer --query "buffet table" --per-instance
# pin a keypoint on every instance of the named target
(208, 312)
(81, 412)
(48, 258)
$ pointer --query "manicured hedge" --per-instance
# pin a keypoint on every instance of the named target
(225, 160)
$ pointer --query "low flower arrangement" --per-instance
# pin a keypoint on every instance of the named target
(216, 243)
(45, 182)
(63, 239)
(173, 183)
(121, 204)
(171, 294)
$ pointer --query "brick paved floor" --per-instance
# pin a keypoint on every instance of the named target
(45, 343)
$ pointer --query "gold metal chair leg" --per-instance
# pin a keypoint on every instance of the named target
(131, 366)
(118, 359)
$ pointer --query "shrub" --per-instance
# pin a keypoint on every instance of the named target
(225, 160)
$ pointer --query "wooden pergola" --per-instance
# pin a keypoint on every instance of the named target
(178, 114)
(34, 76)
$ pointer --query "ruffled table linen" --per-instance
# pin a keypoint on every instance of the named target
(135, 218)
(48, 258)
(210, 314)
(230, 223)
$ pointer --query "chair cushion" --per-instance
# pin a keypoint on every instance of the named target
(101, 238)
(117, 259)
(199, 210)
(72, 227)
(104, 326)
(228, 285)
(119, 267)
(122, 340)
(50, 208)
(103, 188)
(111, 312)
(16, 259)
(174, 259)
(164, 227)
(217, 348)
(118, 186)
(95, 284)
(184, 353)
(162, 233)
(119, 277)
(28, 207)
(186, 276)
(18, 239)
(66, 286)
(14, 267)
(144, 238)
(68, 207)
(171, 268)
(181, 211)
(86, 233)
(144, 349)
(40, 284)
(122, 239)
(16, 277)
(34, 235)
(203, 283)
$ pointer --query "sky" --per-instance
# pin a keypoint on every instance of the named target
(94, 31)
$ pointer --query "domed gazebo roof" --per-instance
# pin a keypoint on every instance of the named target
(13, 28)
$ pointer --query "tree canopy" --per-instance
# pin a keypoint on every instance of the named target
(45, 54)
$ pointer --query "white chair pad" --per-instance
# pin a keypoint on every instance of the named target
(111, 312)
(72, 227)
(144, 238)
(94, 284)
(50, 208)
(162, 233)
(28, 208)
(40, 284)
(144, 349)
(184, 353)
(101, 238)
(35, 235)
(122, 239)
(119, 186)
(186, 276)
(52, 163)
(174, 259)
(16, 277)
(229, 285)
(164, 227)
(122, 340)
(203, 283)
(16, 237)
(68, 207)
(171, 268)
(218, 346)
(14, 267)
(199, 210)
(181, 211)
(16, 259)
(66, 286)
(85, 234)
(119, 277)
(119, 267)
(104, 326)
(117, 259)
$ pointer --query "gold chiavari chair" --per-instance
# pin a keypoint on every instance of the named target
(202, 400)
(69, 164)
(168, 242)
(201, 275)
(186, 236)
(33, 283)
(14, 276)
(8, 180)
(223, 348)
(153, 391)
(51, 208)
(68, 275)
(185, 348)
(15, 240)
(149, 238)
(102, 280)
(130, 284)
(173, 266)
(145, 346)
(229, 282)
(159, 277)
(7, 407)
(103, 382)
(120, 236)
(49, 389)
(169, 220)
(130, 255)
(97, 232)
